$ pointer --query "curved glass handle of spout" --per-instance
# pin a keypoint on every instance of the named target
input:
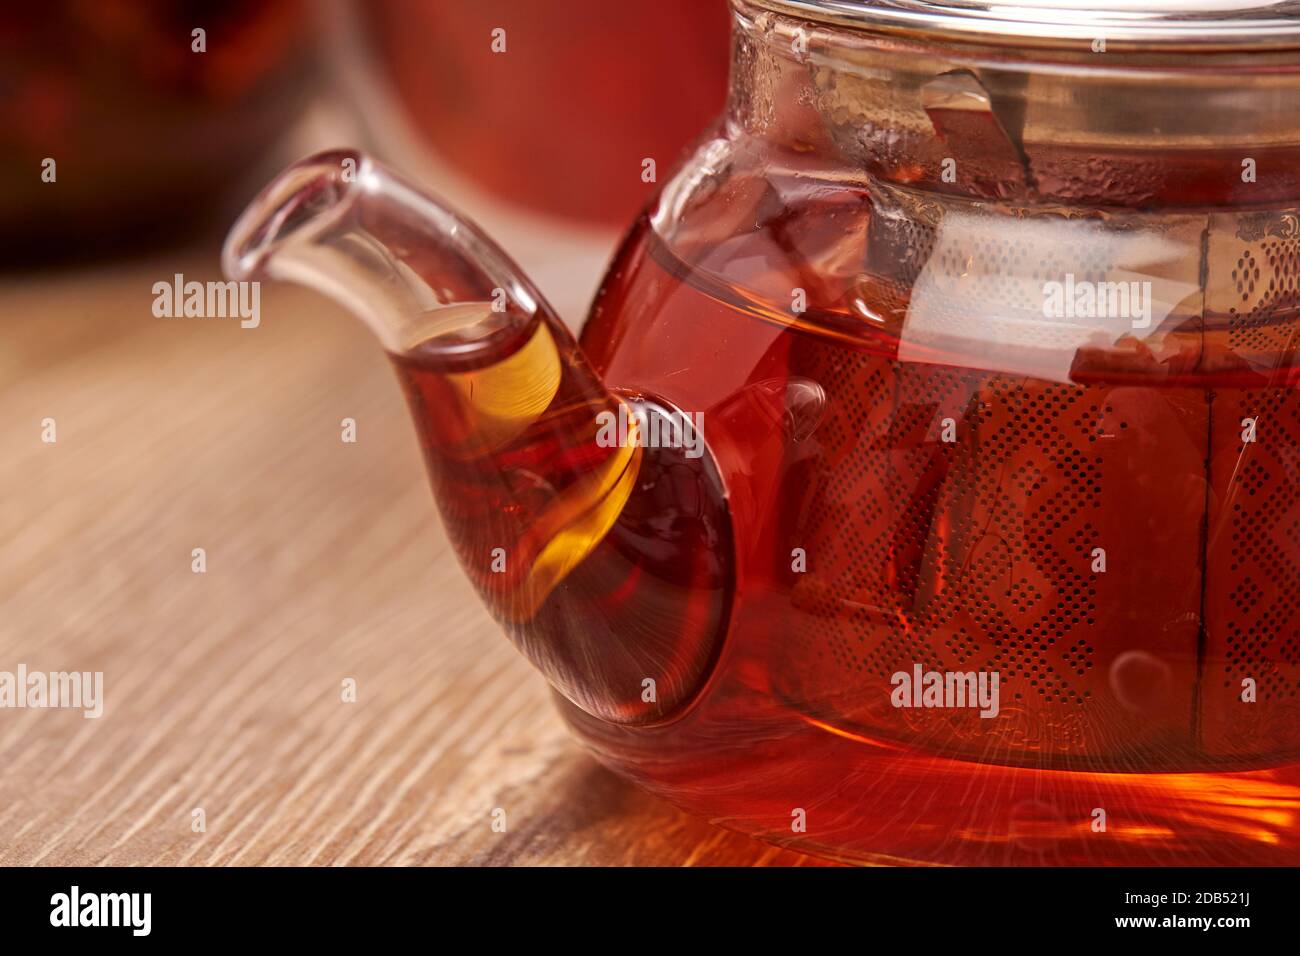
(608, 562)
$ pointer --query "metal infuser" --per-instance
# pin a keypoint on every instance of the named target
(1102, 508)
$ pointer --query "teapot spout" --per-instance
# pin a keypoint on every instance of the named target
(569, 537)
(401, 261)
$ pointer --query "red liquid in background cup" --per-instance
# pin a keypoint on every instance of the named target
(585, 91)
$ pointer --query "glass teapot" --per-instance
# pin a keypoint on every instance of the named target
(926, 486)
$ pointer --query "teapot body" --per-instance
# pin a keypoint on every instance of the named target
(1016, 534)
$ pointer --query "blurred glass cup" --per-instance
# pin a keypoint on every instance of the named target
(556, 104)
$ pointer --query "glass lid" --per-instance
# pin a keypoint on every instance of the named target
(1225, 24)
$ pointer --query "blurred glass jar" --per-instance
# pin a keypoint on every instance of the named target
(147, 133)
(561, 110)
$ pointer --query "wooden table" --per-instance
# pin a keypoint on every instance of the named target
(325, 561)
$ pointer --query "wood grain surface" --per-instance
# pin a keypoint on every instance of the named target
(325, 561)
